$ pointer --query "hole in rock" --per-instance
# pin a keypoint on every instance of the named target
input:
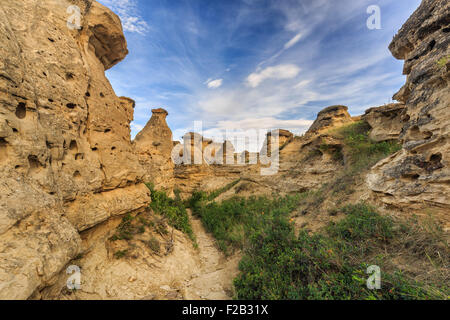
(50, 100)
(107, 130)
(34, 163)
(102, 95)
(77, 175)
(431, 45)
(3, 149)
(69, 76)
(51, 40)
(21, 110)
(71, 105)
(79, 156)
(446, 30)
(73, 145)
(87, 94)
(113, 148)
(436, 158)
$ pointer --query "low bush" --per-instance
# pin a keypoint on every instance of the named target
(173, 210)
(230, 220)
(280, 265)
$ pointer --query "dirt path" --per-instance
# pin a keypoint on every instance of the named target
(214, 279)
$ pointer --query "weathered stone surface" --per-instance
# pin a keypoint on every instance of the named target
(330, 117)
(281, 135)
(418, 175)
(386, 121)
(66, 159)
(154, 146)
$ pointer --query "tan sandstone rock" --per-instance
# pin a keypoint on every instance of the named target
(334, 116)
(418, 175)
(386, 121)
(154, 146)
(66, 159)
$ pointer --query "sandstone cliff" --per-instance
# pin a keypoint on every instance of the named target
(67, 162)
(418, 175)
(386, 121)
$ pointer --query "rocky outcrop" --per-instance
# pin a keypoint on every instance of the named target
(282, 136)
(418, 175)
(154, 147)
(202, 164)
(386, 121)
(66, 159)
(334, 116)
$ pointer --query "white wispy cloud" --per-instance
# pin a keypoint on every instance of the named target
(293, 41)
(128, 11)
(283, 71)
(214, 84)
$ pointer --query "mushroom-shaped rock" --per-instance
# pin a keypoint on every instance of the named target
(330, 117)
(106, 38)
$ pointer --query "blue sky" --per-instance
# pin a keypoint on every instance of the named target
(255, 64)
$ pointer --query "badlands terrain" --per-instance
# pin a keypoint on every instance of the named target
(76, 190)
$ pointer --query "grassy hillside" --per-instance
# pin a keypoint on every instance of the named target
(280, 262)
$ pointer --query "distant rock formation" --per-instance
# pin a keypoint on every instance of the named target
(330, 117)
(154, 147)
(386, 121)
(283, 136)
(419, 174)
(66, 158)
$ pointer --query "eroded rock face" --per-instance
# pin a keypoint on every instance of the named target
(154, 146)
(330, 117)
(281, 135)
(386, 121)
(418, 175)
(66, 159)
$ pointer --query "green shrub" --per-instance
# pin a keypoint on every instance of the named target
(362, 222)
(362, 151)
(126, 230)
(280, 265)
(154, 245)
(232, 219)
(121, 254)
(173, 210)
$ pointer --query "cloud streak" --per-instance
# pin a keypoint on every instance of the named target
(280, 72)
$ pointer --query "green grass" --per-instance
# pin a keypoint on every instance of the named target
(214, 194)
(357, 154)
(198, 197)
(329, 265)
(127, 229)
(154, 245)
(120, 254)
(173, 210)
(362, 152)
(232, 219)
